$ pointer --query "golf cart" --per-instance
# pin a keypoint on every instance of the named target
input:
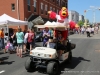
(43, 57)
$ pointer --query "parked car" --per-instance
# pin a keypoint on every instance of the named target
(39, 37)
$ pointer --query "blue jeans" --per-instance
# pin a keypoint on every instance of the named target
(2, 46)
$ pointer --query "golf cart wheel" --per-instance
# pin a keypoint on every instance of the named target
(52, 68)
(70, 57)
(29, 65)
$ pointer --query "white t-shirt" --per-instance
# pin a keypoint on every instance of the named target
(88, 29)
(62, 21)
(6, 38)
(26, 36)
(96, 28)
(82, 29)
(92, 29)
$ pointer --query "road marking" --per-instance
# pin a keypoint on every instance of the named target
(2, 71)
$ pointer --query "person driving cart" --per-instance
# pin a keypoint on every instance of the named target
(60, 47)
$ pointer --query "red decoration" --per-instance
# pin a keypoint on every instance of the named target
(52, 15)
(72, 24)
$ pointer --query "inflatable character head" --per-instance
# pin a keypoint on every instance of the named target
(63, 13)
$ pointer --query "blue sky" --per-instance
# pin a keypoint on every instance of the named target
(81, 5)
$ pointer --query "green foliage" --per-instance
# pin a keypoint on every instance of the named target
(80, 23)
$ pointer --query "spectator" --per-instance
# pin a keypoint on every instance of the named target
(92, 30)
(14, 39)
(46, 35)
(2, 39)
(51, 32)
(31, 38)
(96, 29)
(82, 30)
(6, 38)
(88, 31)
(25, 41)
(20, 41)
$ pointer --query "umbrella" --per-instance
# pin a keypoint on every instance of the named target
(72, 24)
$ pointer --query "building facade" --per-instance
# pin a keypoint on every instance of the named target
(27, 10)
(73, 16)
(81, 18)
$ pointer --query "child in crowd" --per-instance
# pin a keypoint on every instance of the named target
(9, 47)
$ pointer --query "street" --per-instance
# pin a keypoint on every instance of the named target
(86, 59)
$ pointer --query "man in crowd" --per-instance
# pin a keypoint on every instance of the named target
(1, 40)
(88, 31)
(46, 36)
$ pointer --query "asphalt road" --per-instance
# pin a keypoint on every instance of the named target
(86, 59)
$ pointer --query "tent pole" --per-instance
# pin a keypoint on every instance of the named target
(8, 30)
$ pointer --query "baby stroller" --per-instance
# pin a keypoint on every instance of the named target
(10, 48)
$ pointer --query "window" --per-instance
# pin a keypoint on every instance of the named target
(57, 12)
(72, 17)
(28, 4)
(66, 4)
(53, 0)
(13, 7)
(53, 9)
(46, 9)
(41, 8)
(59, 2)
(63, 4)
(50, 8)
(35, 4)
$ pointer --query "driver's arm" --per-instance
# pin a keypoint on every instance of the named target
(61, 40)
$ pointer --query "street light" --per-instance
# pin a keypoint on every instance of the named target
(85, 16)
(94, 8)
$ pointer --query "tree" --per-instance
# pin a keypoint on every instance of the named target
(80, 23)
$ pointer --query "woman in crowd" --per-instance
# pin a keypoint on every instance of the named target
(14, 39)
(20, 41)
(25, 40)
(31, 38)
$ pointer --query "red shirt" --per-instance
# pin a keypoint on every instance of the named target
(30, 37)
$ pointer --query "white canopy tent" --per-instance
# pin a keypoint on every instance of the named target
(6, 20)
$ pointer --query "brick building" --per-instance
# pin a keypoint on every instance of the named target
(30, 9)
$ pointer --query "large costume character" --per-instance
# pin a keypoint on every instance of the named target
(62, 19)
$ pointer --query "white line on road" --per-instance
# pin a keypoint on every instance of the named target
(2, 71)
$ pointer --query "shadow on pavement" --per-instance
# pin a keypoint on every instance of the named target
(4, 61)
(65, 66)
(1, 53)
(26, 54)
(75, 62)
(7, 62)
(4, 58)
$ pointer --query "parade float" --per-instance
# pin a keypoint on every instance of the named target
(47, 58)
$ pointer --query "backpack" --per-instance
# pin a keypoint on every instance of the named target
(30, 39)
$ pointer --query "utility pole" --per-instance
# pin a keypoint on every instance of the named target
(94, 8)
(18, 14)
